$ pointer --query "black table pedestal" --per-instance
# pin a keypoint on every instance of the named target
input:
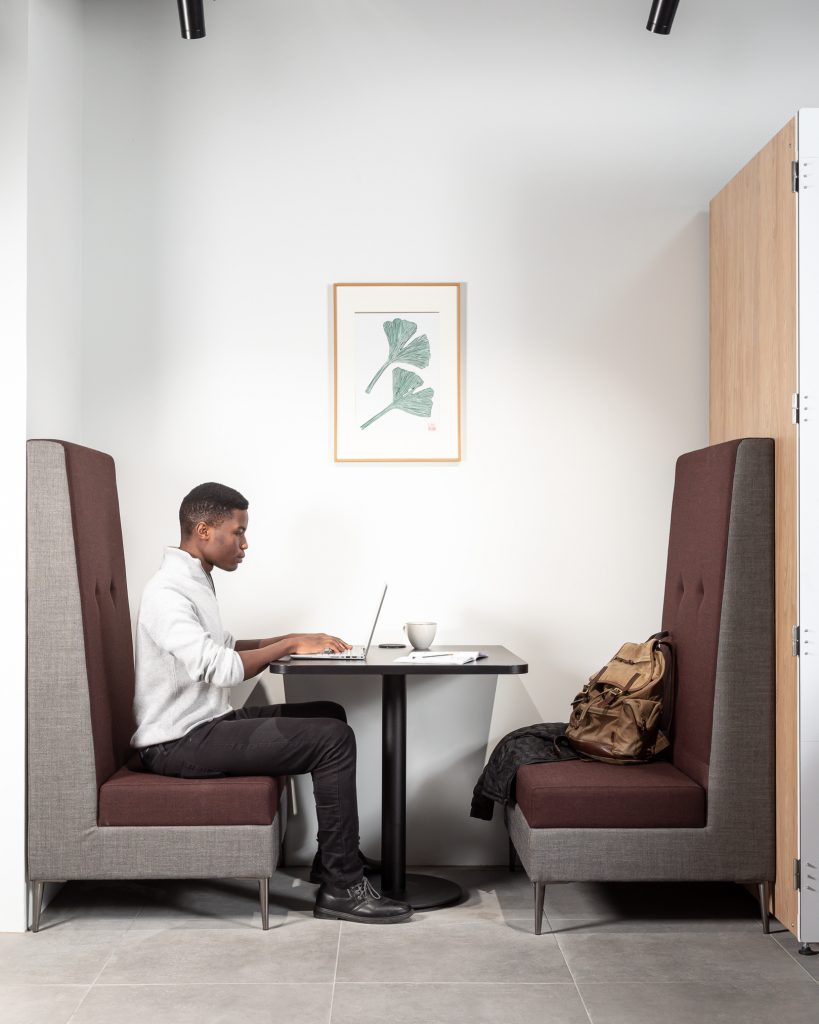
(422, 892)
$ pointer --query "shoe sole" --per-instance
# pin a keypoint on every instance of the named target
(330, 915)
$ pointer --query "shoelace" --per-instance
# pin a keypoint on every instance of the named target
(361, 890)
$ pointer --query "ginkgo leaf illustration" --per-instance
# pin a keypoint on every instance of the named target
(405, 395)
(402, 350)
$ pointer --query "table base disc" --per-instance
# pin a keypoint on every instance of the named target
(425, 892)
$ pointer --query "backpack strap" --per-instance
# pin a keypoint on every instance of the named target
(663, 641)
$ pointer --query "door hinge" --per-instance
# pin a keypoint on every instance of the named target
(797, 874)
(795, 641)
(795, 408)
(794, 175)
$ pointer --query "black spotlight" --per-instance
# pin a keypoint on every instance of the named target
(661, 18)
(192, 18)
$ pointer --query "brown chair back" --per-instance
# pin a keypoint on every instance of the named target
(109, 655)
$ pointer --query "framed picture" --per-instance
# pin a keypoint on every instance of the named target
(397, 372)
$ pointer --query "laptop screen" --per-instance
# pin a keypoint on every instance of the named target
(375, 620)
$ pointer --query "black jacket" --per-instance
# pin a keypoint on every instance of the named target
(534, 744)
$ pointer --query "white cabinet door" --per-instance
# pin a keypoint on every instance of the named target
(808, 746)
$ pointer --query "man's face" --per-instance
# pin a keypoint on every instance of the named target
(224, 545)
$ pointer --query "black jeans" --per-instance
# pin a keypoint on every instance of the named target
(281, 739)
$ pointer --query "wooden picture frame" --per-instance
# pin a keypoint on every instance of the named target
(397, 372)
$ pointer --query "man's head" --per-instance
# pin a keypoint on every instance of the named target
(213, 523)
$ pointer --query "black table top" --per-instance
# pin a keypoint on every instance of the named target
(382, 662)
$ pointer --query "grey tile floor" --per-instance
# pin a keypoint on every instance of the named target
(194, 953)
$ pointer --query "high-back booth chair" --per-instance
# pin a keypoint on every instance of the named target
(92, 813)
(706, 813)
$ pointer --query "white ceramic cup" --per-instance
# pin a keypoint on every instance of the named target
(420, 634)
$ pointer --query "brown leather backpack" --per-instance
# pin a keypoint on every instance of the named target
(618, 715)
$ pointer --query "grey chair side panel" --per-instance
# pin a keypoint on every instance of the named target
(626, 855)
(738, 843)
(238, 851)
(741, 796)
(232, 851)
(62, 791)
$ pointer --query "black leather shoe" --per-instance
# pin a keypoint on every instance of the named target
(370, 866)
(360, 903)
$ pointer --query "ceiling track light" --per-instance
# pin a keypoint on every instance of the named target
(661, 17)
(191, 18)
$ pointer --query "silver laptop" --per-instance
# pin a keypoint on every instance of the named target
(355, 653)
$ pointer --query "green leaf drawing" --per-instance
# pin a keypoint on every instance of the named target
(402, 350)
(406, 396)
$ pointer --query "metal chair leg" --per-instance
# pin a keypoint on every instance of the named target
(764, 904)
(39, 889)
(540, 895)
(263, 899)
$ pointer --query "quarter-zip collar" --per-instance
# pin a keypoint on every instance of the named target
(178, 561)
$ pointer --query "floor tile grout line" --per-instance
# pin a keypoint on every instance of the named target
(335, 973)
(796, 960)
(270, 984)
(740, 983)
(93, 983)
(576, 986)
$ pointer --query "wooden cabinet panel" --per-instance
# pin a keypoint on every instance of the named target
(753, 374)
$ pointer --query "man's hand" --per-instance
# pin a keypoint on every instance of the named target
(254, 659)
(315, 643)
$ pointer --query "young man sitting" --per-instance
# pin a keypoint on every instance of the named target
(186, 664)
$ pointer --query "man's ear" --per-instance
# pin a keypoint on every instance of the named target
(202, 530)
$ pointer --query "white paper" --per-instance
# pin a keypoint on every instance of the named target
(444, 658)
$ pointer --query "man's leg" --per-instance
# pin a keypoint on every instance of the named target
(305, 709)
(263, 741)
(310, 709)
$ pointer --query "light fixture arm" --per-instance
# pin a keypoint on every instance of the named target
(191, 18)
(661, 17)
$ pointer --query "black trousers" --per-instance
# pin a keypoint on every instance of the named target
(281, 739)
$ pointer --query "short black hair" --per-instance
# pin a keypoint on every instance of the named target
(209, 503)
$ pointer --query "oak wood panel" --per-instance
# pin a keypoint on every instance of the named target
(753, 374)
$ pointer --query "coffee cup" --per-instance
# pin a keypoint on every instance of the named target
(420, 634)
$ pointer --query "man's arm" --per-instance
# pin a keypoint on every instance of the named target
(333, 642)
(170, 618)
(256, 655)
(254, 645)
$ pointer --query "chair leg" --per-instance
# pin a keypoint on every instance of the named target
(263, 899)
(39, 889)
(540, 895)
(764, 904)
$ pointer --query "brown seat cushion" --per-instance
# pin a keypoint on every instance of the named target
(588, 794)
(141, 798)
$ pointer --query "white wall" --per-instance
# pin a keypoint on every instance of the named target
(13, 190)
(553, 156)
(55, 219)
(40, 327)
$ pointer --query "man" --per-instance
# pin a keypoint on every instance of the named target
(186, 664)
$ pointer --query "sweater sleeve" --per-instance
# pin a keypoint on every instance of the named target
(173, 625)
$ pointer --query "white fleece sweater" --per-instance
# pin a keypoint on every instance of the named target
(185, 661)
